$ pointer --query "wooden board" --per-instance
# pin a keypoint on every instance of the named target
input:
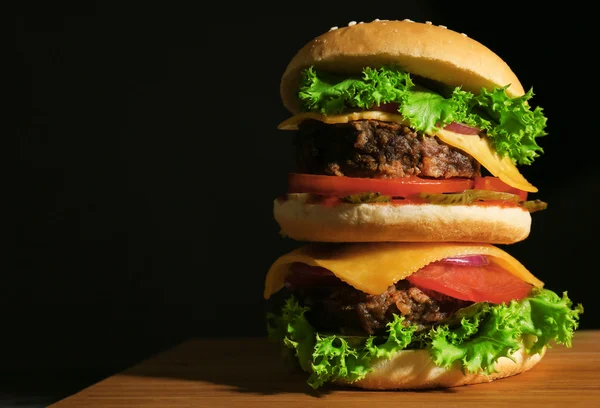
(248, 373)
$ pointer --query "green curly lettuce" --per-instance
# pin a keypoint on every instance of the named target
(330, 94)
(296, 333)
(499, 335)
(545, 315)
(475, 337)
(330, 358)
(510, 123)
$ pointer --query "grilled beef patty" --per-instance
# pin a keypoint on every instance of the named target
(338, 307)
(374, 149)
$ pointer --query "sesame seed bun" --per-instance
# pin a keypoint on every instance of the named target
(430, 51)
(414, 369)
(382, 222)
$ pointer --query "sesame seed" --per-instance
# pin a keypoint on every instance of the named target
(333, 28)
(408, 20)
(463, 34)
(443, 26)
(361, 22)
(351, 23)
(428, 22)
(376, 19)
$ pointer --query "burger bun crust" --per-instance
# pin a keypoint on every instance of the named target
(383, 222)
(426, 50)
(414, 369)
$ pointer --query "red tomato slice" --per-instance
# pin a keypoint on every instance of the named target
(397, 187)
(487, 283)
(402, 186)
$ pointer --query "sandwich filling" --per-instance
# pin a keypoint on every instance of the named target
(341, 308)
(433, 293)
(338, 307)
(382, 125)
(511, 125)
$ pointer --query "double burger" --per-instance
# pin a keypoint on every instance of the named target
(408, 137)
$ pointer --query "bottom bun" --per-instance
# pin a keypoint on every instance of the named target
(378, 222)
(414, 369)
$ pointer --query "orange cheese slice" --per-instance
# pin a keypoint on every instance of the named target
(481, 150)
(373, 267)
(478, 147)
(293, 122)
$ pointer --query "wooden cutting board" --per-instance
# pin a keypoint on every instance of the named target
(248, 373)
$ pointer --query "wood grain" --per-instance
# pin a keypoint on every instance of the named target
(248, 373)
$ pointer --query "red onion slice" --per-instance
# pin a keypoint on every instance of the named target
(462, 129)
(306, 276)
(390, 107)
(467, 260)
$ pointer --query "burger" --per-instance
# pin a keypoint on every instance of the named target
(404, 315)
(407, 132)
(408, 137)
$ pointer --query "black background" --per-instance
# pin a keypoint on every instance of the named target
(149, 158)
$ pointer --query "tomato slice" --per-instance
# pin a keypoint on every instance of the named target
(396, 187)
(486, 283)
(343, 186)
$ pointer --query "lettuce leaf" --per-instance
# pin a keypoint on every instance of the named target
(513, 126)
(497, 335)
(475, 337)
(426, 110)
(549, 317)
(330, 94)
(335, 358)
(292, 328)
(544, 315)
(510, 123)
(332, 357)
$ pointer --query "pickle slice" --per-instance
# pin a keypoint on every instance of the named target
(534, 205)
(464, 198)
(364, 198)
(468, 196)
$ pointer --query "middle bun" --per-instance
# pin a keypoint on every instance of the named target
(383, 222)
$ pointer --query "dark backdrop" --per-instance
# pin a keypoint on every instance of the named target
(149, 158)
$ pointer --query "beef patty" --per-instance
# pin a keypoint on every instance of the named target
(338, 307)
(370, 148)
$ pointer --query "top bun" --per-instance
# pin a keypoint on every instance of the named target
(430, 51)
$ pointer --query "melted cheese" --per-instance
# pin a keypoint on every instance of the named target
(293, 122)
(481, 150)
(478, 147)
(372, 267)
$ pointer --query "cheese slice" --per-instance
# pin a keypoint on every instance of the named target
(478, 147)
(373, 267)
(481, 150)
(293, 122)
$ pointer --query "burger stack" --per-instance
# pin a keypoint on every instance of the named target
(408, 139)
